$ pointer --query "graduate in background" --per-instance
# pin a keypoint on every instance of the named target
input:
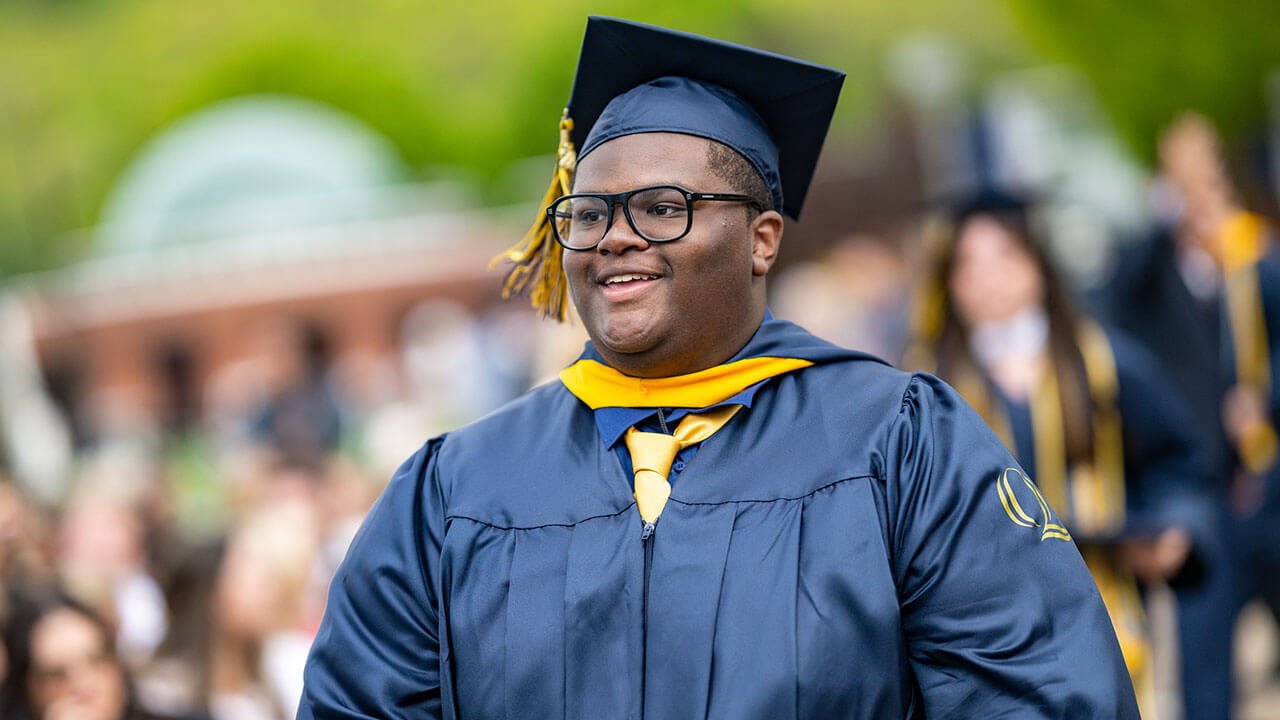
(1202, 293)
(1086, 412)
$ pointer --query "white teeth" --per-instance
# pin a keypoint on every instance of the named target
(628, 278)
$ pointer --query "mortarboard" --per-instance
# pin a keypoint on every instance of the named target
(990, 200)
(635, 78)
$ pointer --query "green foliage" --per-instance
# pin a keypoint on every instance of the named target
(1149, 61)
(84, 85)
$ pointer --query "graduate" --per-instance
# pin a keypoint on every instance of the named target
(712, 513)
(1202, 293)
(1088, 412)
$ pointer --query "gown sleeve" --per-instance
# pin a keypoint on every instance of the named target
(377, 653)
(999, 612)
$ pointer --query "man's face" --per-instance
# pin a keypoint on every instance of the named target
(689, 304)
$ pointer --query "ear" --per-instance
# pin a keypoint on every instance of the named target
(766, 238)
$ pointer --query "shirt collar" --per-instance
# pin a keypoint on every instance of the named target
(612, 422)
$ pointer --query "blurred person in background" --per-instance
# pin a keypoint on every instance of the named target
(298, 413)
(26, 552)
(26, 565)
(1202, 292)
(260, 636)
(102, 552)
(176, 680)
(35, 439)
(1087, 412)
(855, 296)
(63, 665)
(241, 619)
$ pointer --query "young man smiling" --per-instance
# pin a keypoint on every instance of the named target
(671, 308)
(712, 513)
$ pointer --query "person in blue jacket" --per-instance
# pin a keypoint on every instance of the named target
(712, 513)
(1088, 411)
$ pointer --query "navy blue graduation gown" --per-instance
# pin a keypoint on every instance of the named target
(839, 550)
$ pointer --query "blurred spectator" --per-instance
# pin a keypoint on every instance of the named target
(443, 363)
(63, 666)
(1086, 412)
(25, 553)
(855, 296)
(447, 381)
(241, 619)
(298, 413)
(259, 646)
(176, 681)
(34, 438)
(102, 552)
(1203, 293)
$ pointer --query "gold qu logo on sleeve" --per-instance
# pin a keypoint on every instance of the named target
(1047, 522)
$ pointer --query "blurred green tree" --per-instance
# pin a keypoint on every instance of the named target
(1150, 61)
(84, 85)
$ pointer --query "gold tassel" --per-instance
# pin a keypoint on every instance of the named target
(536, 258)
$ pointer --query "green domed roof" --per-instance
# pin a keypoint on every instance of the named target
(248, 164)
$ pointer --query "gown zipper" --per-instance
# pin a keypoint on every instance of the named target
(646, 538)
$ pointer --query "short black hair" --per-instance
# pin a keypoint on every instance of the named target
(734, 168)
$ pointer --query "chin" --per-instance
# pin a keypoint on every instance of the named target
(626, 338)
(626, 343)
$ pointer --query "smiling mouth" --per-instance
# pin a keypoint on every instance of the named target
(622, 280)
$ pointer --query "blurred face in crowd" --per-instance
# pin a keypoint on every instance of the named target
(1207, 205)
(1191, 158)
(660, 309)
(269, 555)
(247, 595)
(74, 674)
(993, 274)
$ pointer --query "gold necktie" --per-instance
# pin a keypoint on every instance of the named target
(653, 453)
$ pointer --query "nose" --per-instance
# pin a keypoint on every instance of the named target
(620, 236)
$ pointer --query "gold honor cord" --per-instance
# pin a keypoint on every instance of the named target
(1049, 439)
(1242, 240)
(1102, 491)
(1089, 496)
(1119, 591)
(535, 260)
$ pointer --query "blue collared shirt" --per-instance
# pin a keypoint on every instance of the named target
(613, 422)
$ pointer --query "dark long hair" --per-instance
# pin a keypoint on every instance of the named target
(15, 698)
(944, 338)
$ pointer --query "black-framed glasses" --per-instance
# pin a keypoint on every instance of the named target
(659, 213)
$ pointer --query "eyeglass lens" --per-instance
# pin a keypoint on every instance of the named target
(656, 214)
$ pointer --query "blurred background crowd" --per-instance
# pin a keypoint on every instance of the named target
(244, 257)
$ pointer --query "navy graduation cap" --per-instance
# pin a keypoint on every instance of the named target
(989, 200)
(635, 78)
